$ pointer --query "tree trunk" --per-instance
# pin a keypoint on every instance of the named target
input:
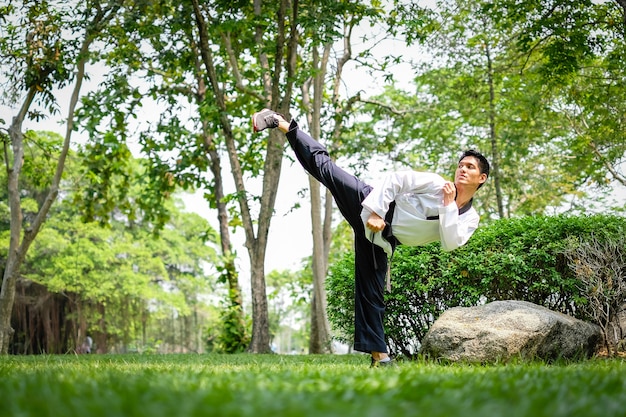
(17, 249)
(281, 81)
(319, 341)
(229, 270)
(320, 338)
(15, 255)
(495, 152)
(100, 338)
(260, 342)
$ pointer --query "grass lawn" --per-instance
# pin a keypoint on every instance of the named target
(277, 386)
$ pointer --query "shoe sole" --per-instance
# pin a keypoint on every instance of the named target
(254, 128)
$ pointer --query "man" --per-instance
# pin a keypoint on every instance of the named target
(409, 208)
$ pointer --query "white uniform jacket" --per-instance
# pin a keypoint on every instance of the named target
(418, 195)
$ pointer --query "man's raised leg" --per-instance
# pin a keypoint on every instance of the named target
(370, 260)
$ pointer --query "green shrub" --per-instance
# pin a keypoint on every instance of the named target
(340, 294)
(511, 259)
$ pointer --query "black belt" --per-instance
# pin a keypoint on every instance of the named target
(387, 232)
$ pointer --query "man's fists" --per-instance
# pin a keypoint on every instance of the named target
(375, 223)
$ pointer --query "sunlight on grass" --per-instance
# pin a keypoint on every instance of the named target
(275, 385)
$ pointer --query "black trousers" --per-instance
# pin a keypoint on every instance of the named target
(370, 260)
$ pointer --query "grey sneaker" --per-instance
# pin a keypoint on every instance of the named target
(264, 119)
(391, 363)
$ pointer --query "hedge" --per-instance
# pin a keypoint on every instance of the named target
(510, 259)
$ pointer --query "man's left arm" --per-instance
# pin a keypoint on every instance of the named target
(455, 230)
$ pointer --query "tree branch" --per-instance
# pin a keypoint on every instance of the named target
(232, 59)
(616, 175)
(391, 109)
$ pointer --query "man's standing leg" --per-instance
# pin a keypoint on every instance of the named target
(370, 270)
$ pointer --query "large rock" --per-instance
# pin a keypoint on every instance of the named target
(501, 330)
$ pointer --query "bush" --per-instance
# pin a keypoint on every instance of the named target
(511, 259)
(340, 295)
(600, 266)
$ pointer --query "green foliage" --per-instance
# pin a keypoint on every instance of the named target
(106, 168)
(305, 386)
(121, 279)
(37, 51)
(41, 150)
(118, 277)
(340, 294)
(231, 334)
(518, 259)
(533, 85)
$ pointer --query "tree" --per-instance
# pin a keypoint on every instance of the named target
(204, 53)
(37, 58)
(479, 89)
(156, 45)
(228, 61)
(314, 102)
(582, 48)
(273, 96)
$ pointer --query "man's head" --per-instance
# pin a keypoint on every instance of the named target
(473, 159)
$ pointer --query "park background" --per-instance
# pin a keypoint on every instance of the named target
(537, 86)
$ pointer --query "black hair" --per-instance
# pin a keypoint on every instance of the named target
(483, 163)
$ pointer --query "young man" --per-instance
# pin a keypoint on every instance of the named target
(409, 208)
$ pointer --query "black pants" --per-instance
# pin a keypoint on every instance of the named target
(370, 260)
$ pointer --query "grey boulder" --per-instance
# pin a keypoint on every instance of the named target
(502, 330)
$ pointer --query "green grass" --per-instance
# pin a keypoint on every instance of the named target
(278, 386)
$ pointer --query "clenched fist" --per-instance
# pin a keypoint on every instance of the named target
(375, 223)
(449, 193)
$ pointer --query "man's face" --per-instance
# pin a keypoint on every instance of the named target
(468, 173)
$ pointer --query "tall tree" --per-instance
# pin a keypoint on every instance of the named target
(582, 45)
(226, 60)
(276, 94)
(476, 89)
(328, 50)
(38, 57)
